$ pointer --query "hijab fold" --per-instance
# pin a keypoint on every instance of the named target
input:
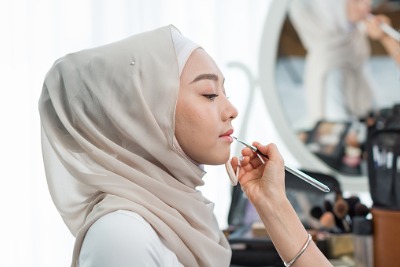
(108, 120)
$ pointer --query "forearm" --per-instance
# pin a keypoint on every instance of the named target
(288, 234)
(264, 185)
(392, 47)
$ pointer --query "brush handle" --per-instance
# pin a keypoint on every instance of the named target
(390, 31)
(301, 175)
(308, 179)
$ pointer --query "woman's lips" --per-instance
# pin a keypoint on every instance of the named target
(227, 135)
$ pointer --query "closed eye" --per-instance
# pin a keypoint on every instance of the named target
(210, 96)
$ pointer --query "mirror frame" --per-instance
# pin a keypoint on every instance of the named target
(267, 78)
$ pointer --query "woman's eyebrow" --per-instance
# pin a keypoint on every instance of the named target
(206, 76)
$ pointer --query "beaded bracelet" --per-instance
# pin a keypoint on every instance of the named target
(300, 252)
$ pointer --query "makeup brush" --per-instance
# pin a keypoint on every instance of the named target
(294, 171)
(390, 31)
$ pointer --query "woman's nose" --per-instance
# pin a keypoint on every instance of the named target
(230, 111)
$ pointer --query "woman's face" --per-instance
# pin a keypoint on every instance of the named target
(203, 112)
(358, 10)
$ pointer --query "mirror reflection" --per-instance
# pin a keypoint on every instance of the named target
(337, 70)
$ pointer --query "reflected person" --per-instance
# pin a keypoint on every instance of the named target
(338, 84)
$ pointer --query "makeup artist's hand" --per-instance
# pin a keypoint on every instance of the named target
(264, 185)
(373, 28)
(258, 180)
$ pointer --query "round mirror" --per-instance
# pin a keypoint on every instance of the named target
(281, 67)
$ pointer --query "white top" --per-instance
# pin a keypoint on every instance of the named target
(123, 238)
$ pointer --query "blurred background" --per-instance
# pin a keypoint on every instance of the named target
(35, 33)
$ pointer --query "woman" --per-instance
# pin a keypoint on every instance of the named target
(126, 129)
(335, 34)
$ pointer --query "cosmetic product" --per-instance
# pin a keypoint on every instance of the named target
(294, 171)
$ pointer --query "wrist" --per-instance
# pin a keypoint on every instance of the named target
(384, 38)
(269, 202)
(392, 46)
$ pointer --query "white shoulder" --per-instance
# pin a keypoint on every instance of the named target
(123, 238)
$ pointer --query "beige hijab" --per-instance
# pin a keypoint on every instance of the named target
(332, 43)
(108, 119)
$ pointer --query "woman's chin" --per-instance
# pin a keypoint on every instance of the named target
(218, 160)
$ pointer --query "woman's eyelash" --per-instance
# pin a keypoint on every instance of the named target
(211, 96)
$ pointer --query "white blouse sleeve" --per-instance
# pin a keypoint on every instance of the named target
(124, 239)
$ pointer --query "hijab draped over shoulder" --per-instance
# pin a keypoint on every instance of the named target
(108, 120)
(332, 43)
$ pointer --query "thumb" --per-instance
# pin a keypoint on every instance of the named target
(270, 150)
